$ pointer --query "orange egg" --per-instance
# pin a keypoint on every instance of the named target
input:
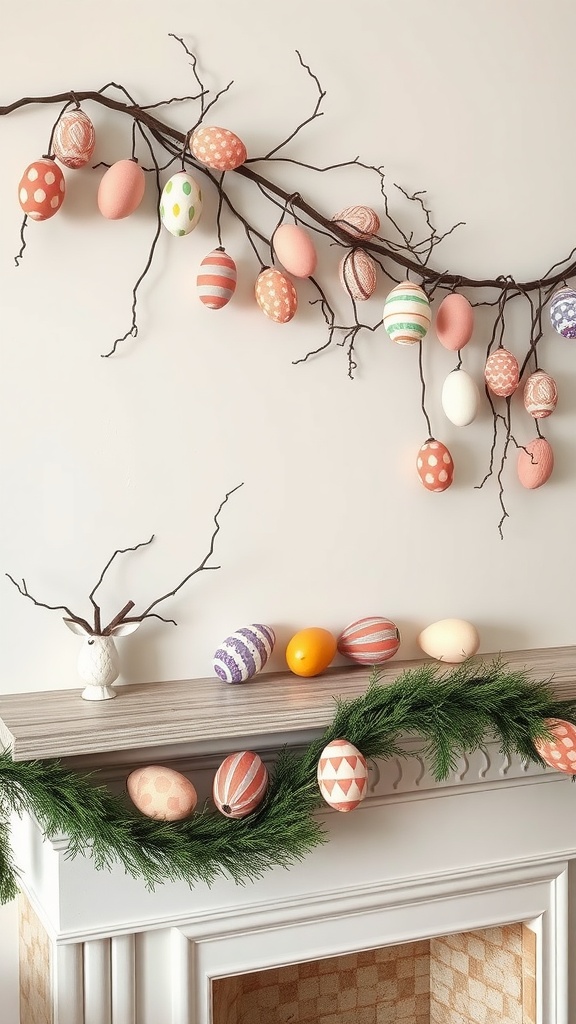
(310, 651)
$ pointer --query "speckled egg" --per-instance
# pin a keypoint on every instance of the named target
(540, 395)
(276, 295)
(502, 373)
(121, 190)
(407, 313)
(218, 148)
(342, 775)
(535, 463)
(435, 466)
(560, 752)
(450, 640)
(74, 139)
(361, 222)
(295, 250)
(357, 271)
(42, 189)
(216, 280)
(460, 398)
(454, 322)
(244, 653)
(180, 204)
(563, 312)
(240, 784)
(369, 641)
(162, 793)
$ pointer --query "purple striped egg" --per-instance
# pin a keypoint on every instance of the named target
(244, 653)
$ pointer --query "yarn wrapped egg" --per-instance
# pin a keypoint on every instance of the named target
(369, 641)
(435, 466)
(121, 189)
(295, 250)
(563, 312)
(460, 398)
(162, 793)
(180, 204)
(502, 373)
(342, 775)
(454, 322)
(240, 784)
(357, 272)
(535, 463)
(218, 148)
(407, 313)
(540, 395)
(42, 189)
(244, 653)
(216, 280)
(450, 640)
(276, 295)
(361, 222)
(559, 752)
(74, 139)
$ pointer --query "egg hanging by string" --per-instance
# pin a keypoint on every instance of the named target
(540, 394)
(535, 463)
(360, 222)
(563, 312)
(42, 189)
(217, 148)
(74, 139)
(121, 189)
(216, 280)
(276, 295)
(560, 751)
(460, 398)
(295, 250)
(407, 313)
(502, 373)
(435, 466)
(357, 272)
(454, 322)
(181, 204)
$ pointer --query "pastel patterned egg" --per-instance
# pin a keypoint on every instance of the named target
(560, 752)
(295, 250)
(357, 272)
(454, 322)
(360, 222)
(218, 148)
(502, 373)
(121, 190)
(540, 395)
(434, 466)
(276, 295)
(369, 641)
(74, 139)
(162, 793)
(460, 398)
(407, 313)
(244, 653)
(240, 784)
(216, 281)
(180, 204)
(535, 463)
(42, 189)
(450, 640)
(342, 775)
(563, 312)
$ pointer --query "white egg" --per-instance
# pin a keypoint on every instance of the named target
(180, 204)
(460, 398)
(450, 640)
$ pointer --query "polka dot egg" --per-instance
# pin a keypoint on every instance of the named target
(42, 189)
(540, 395)
(502, 373)
(74, 139)
(342, 775)
(563, 312)
(435, 466)
(559, 752)
(407, 313)
(161, 793)
(240, 784)
(244, 653)
(180, 204)
(276, 295)
(218, 148)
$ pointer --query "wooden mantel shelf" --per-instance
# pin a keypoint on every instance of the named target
(204, 713)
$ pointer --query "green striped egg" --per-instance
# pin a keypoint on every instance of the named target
(407, 313)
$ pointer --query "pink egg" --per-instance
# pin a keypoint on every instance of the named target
(358, 221)
(454, 322)
(357, 272)
(435, 466)
(218, 148)
(42, 189)
(240, 784)
(502, 373)
(560, 752)
(535, 464)
(540, 395)
(74, 139)
(276, 295)
(342, 775)
(162, 793)
(295, 250)
(121, 190)
(369, 641)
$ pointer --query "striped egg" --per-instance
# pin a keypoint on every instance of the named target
(540, 395)
(560, 752)
(535, 463)
(218, 148)
(342, 775)
(276, 295)
(435, 466)
(358, 274)
(161, 793)
(216, 281)
(407, 313)
(42, 189)
(180, 204)
(502, 373)
(563, 312)
(360, 222)
(369, 641)
(240, 784)
(74, 139)
(244, 653)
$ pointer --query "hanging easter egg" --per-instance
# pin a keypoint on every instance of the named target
(74, 139)
(240, 784)
(559, 752)
(369, 641)
(360, 222)
(180, 204)
(357, 272)
(295, 250)
(450, 640)
(244, 653)
(217, 148)
(434, 466)
(162, 793)
(454, 322)
(310, 651)
(121, 190)
(540, 395)
(407, 313)
(276, 295)
(460, 398)
(216, 280)
(342, 775)
(42, 189)
(502, 373)
(535, 463)
(563, 312)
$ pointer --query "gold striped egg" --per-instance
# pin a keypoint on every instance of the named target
(276, 295)
(357, 272)
(407, 313)
(218, 148)
(502, 373)
(361, 222)
(540, 395)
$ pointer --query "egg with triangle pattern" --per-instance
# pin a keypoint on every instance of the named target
(342, 775)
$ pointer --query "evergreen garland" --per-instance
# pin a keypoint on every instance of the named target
(454, 711)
